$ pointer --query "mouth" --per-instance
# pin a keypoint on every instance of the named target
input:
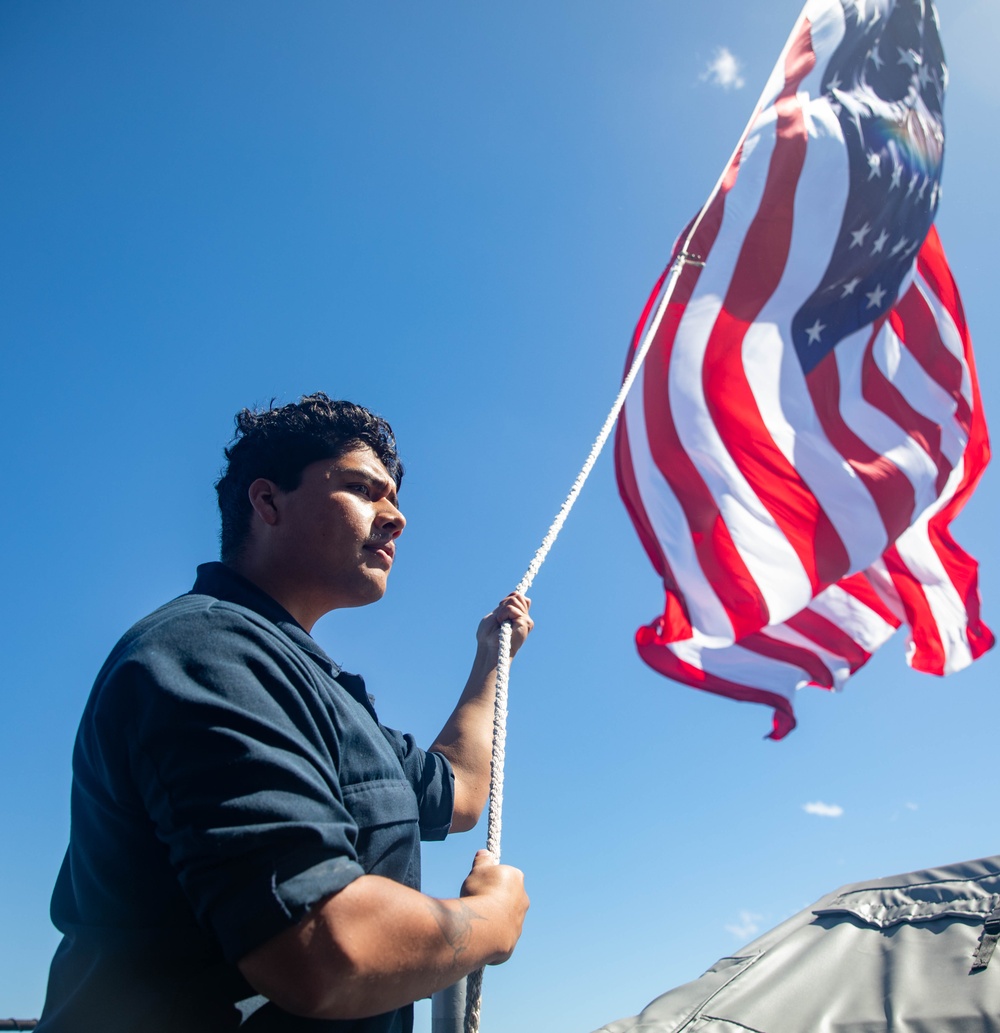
(383, 548)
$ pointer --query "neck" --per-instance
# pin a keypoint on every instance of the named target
(269, 578)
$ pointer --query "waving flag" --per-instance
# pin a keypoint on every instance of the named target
(807, 422)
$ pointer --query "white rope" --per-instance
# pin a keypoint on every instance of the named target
(474, 987)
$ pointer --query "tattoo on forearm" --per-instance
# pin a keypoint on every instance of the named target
(455, 925)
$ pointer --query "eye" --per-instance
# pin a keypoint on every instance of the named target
(362, 489)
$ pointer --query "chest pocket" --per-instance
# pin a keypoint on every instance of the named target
(386, 814)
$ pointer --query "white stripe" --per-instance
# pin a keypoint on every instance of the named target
(921, 391)
(866, 627)
(950, 335)
(740, 665)
(879, 578)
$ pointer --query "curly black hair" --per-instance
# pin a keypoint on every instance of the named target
(278, 443)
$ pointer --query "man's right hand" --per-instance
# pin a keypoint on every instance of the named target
(376, 945)
(496, 891)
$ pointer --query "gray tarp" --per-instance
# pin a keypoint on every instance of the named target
(890, 955)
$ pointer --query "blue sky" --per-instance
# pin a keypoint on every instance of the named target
(451, 213)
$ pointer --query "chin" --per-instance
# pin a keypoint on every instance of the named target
(365, 594)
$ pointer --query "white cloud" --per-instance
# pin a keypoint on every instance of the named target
(724, 70)
(824, 810)
(910, 806)
(747, 927)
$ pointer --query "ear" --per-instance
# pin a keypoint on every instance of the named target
(263, 497)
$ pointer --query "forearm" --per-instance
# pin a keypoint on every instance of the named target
(377, 945)
(467, 739)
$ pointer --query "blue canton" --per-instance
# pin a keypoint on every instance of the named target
(885, 83)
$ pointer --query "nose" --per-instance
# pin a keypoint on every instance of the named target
(390, 518)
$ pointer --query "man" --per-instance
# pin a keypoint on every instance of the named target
(245, 834)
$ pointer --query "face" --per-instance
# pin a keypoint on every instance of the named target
(338, 530)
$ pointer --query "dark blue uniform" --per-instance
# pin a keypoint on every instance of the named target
(227, 776)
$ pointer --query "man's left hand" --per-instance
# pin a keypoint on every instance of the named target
(513, 608)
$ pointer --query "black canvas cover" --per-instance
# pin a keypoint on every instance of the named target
(907, 954)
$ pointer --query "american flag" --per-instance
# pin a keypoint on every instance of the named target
(807, 422)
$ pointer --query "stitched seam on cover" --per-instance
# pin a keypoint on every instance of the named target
(909, 886)
(697, 1012)
(731, 1022)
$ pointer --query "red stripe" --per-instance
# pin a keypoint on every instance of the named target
(858, 586)
(830, 636)
(889, 487)
(628, 488)
(662, 659)
(929, 654)
(765, 248)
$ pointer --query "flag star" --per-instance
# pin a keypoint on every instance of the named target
(897, 176)
(924, 76)
(859, 9)
(936, 17)
(944, 76)
(879, 242)
(875, 297)
(850, 285)
(923, 189)
(908, 57)
(814, 331)
(899, 245)
(912, 248)
(876, 59)
(859, 235)
(834, 83)
(913, 183)
(874, 165)
(935, 194)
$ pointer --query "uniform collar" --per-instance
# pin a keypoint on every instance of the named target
(222, 582)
